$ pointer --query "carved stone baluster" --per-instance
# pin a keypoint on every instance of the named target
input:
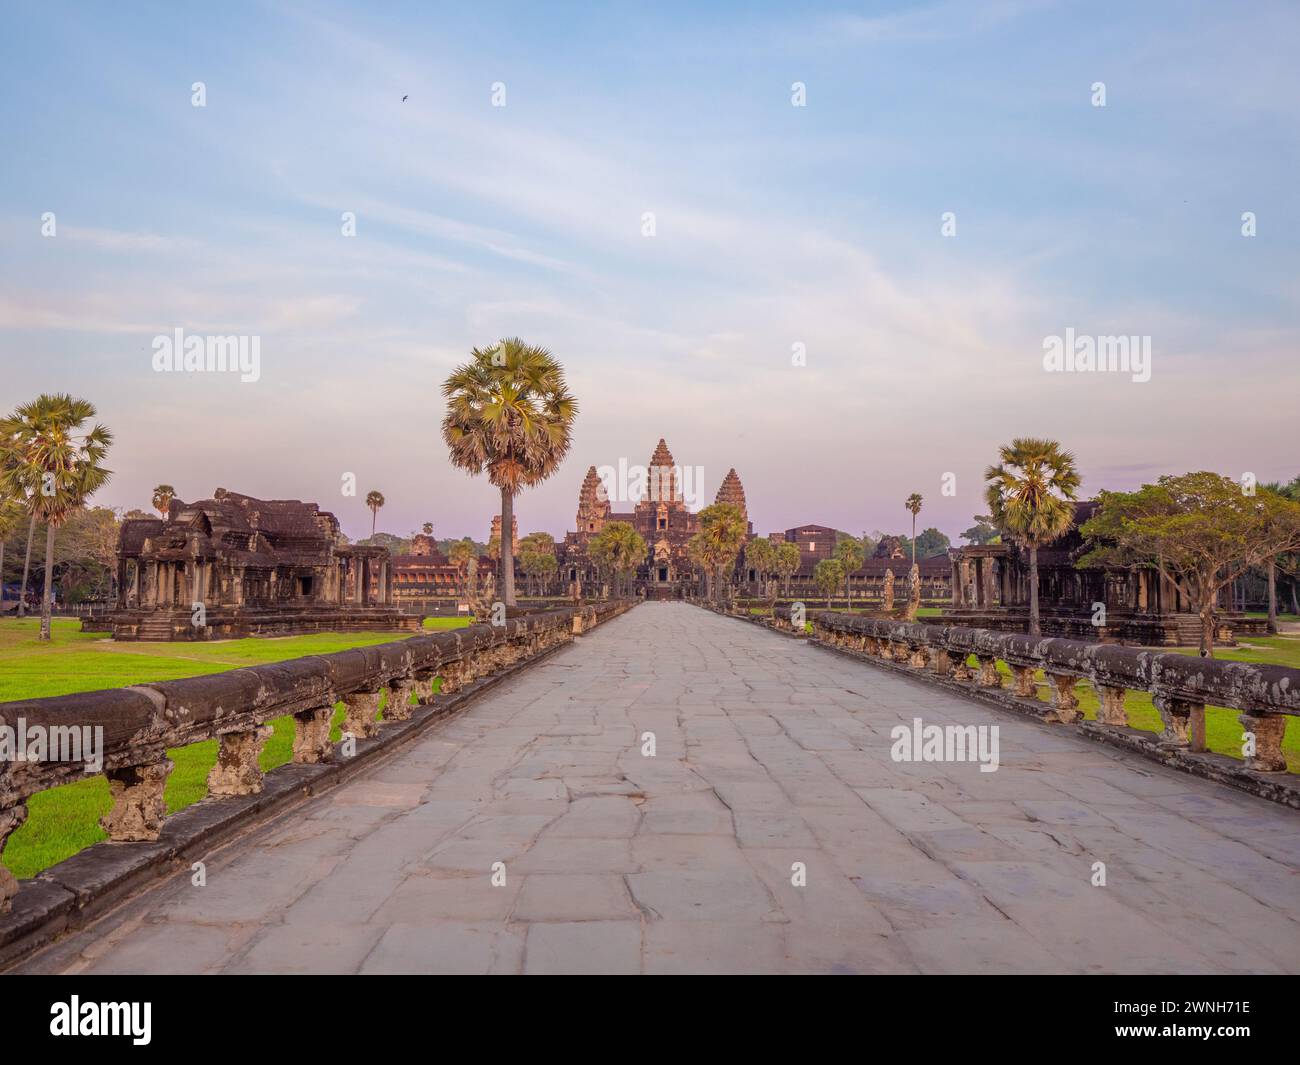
(11, 818)
(361, 709)
(1176, 716)
(989, 677)
(1110, 710)
(941, 661)
(311, 735)
(237, 771)
(961, 666)
(919, 657)
(1268, 730)
(1065, 704)
(399, 699)
(424, 688)
(138, 808)
(1026, 687)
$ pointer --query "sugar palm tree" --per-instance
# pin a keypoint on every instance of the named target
(1030, 494)
(461, 554)
(849, 554)
(162, 498)
(788, 561)
(723, 527)
(510, 415)
(427, 528)
(913, 504)
(760, 553)
(374, 500)
(827, 575)
(56, 468)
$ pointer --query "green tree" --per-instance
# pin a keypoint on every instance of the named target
(11, 516)
(509, 414)
(931, 542)
(56, 465)
(913, 505)
(982, 532)
(1286, 491)
(617, 550)
(1200, 531)
(462, 555)
(788, 561)
(723, 527)
(1029, 496)
(537, 557)
(760, 554)
(849, 554)
(827, 575)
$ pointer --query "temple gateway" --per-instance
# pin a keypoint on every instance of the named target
(234, 566)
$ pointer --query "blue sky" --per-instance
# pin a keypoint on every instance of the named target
(775, 225)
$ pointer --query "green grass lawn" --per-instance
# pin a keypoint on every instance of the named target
(65, 819)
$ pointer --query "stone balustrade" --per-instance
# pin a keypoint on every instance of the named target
(1181, 686)
(141, 723)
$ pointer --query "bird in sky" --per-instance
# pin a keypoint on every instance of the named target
(403, 99)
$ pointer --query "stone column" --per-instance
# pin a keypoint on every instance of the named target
(138, 808)
(1111, 710)
(1065, 704)
(1268, 730)
(10, 819)
(237, 771)
(361, 710)
(1176, 715)
(311, 735)
(399, 700)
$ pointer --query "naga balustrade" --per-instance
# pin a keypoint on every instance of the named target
(1181, 686)
(141, 723)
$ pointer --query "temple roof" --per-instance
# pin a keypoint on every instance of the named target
(732, 491)
(662, 456)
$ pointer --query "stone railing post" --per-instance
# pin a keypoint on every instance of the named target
(961, 667)
(11, 818)
(138, 808)
(989, 677)
(453, 676)
(1110, 709)
(237, 771)
(919, 657)
(1176, 715)
(311, 735)
(361, 709)
(1026, 686)
(941, 661)
(1268, 730)
(399, 706)
(1065, 703)
(424, 687)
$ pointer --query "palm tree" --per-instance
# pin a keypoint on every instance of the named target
(58, 469)
(618, 549)
(1030, 494)
(827, 574)
(374, 500)
(723, 527)
(697, 551)
(760, 553)
(162, 498)
(914, 505)
(788, 561)
(509, 414)
(849, 554)
(427, 528)
(461, 554)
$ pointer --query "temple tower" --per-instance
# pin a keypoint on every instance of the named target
(593, 505)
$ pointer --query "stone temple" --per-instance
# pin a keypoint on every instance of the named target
(235, 566)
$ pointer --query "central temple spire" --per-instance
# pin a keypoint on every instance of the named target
(663, 486)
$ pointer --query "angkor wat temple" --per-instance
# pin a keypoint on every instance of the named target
(235, 566)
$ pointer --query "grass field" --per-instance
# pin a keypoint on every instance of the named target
(64, 820)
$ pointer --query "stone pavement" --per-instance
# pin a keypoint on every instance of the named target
(768, 753)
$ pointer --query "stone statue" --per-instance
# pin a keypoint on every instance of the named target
(889, 591)
(482, 600)
(913, 592)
